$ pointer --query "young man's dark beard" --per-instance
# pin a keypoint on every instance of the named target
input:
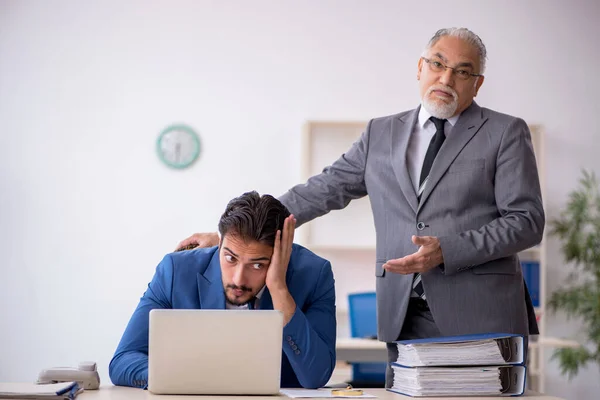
(236, 287)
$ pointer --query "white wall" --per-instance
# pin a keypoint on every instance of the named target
(86, 208)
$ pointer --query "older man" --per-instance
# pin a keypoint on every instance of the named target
(455, 194)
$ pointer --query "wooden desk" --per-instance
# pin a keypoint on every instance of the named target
(124, 393)
(360, 350)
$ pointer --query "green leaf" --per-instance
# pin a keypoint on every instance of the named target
(571, 360)
(578, 230)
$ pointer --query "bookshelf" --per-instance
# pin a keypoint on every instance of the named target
(350, 233)
(535, 359)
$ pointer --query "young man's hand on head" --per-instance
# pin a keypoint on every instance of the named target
(275, 281)
(281, 255)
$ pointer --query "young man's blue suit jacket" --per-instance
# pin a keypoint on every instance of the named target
(192, 280)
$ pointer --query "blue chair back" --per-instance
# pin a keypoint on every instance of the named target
(362, 312)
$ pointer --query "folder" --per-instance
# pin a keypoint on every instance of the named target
(473, 350)
(62, 391)
(502, 380)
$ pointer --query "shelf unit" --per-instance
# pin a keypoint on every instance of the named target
(351, 231)
(535, 359)
(323, 142)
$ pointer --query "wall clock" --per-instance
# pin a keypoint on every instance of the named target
(178, 146)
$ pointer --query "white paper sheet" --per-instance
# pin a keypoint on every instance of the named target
(319, 394)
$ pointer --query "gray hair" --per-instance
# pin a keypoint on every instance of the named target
(467, 36)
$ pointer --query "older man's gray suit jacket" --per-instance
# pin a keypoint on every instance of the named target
(482, 201)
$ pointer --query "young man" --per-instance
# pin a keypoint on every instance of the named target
(256, 266)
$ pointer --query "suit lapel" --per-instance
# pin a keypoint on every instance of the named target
(466, 127)
(210, 286)
(401, 129)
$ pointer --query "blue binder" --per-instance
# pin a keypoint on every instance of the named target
(60, 391)
(513, 381)
(511, 347)
(423, 361)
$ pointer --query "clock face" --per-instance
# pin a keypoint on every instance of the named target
(178, 146)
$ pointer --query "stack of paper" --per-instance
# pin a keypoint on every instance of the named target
(484, 352)
(444, 381)
(65, 390)
(473, 365)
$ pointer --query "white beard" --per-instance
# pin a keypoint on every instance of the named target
(440, 109)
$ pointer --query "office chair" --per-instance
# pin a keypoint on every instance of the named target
(362, 313)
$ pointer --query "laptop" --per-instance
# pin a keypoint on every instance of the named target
(218, 352)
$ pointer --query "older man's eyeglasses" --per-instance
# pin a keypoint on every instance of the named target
(462, 73)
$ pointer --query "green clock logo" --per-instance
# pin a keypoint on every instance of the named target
(178, 146)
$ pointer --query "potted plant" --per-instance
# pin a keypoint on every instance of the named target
(578, 229)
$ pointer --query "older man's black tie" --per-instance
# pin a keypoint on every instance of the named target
(434, 146)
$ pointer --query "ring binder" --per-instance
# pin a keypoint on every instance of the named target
(485, 364)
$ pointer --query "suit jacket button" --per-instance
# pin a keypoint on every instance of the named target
(288, 338)
(420, 226)
(297, 352)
